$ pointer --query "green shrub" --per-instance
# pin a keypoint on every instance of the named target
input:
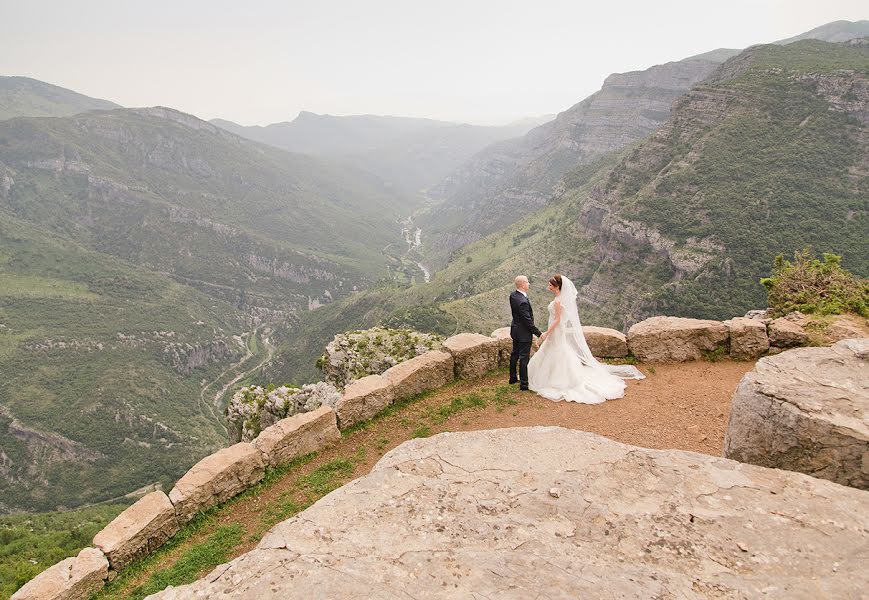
(815, 286)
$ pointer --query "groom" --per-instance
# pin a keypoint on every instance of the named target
(521, 330)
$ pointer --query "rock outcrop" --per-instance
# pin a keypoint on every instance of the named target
(806, 410)
(355, 354)
(512, 513)
(138, 531)
(76, 578)
(674, 339)
(254, 408)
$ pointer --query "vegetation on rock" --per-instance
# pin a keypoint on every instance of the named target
(816, 286)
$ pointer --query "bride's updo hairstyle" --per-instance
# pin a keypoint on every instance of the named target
(556, 281)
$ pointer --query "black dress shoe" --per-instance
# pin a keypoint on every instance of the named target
(523, 389)
(513, 381)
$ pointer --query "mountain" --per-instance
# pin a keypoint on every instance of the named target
(768, 155)
(837, 31)
(409, 153)
(514, 178)
(146, 258)
(25, 97)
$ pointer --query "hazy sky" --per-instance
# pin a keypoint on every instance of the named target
(258, 62)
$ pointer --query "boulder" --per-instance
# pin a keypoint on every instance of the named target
(363, 399)
(549, 512)
(421, 374)
(604, 342)
(76, 578)
(505, 345)
(138, 531)
(806, 410)
(215, 479)
(474, 354)
(785, 333)
(675, 339)
(748, 338)
(297, 436)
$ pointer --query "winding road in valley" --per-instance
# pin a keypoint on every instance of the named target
(213, 402)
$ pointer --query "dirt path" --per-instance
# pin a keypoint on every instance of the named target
(684, 406)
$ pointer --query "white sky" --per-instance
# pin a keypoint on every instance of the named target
(482, 61)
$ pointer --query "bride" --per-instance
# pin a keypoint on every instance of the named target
(564, 368)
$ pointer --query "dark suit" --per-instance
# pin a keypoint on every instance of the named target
(521, 330)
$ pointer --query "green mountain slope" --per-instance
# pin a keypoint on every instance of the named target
(767, 157)
(146, 257)
(101, 366)
(25, 97)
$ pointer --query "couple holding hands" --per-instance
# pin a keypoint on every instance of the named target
(563, 368)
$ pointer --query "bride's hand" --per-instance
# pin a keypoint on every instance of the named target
(543, 337)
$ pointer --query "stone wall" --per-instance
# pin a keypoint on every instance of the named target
(155, 518)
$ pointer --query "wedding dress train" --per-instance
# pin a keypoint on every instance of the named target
(564, 368)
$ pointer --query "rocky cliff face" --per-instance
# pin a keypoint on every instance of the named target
(513, 178)
(664, 204)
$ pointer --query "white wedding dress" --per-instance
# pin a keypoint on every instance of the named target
(564, 368)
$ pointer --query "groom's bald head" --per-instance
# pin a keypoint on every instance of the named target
(521, 283)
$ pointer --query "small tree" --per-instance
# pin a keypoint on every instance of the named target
(814, 286)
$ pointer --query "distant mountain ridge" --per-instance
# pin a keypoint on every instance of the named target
(26, 97)
(410, 153)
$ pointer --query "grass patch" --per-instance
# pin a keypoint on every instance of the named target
(421, 432)
(194, 562)
(714, 355)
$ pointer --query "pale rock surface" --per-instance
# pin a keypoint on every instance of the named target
(675, 339)
(845, 327)
(806, 410)
(474, 354)
(471, 515)
(75, 578)
(297, 436)
(216, 478)
(748, 338)
(605, 342)
(363, 399)
(423, 373)
(785, 333)
(138, 531)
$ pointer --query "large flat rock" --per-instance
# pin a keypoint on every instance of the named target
(806, 410)
(547, 512)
